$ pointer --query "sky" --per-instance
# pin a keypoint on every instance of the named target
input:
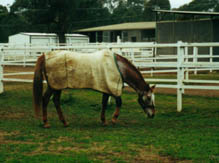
(178, 3)
(174, 3)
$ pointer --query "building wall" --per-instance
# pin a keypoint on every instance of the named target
(186, 31)
(216, 37)
(134, 36)
(77, 39)
(19, 39)
(44, 39)
(216, 30)
(147, 35)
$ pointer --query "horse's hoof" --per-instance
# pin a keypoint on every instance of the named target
(113, 121)
(66, 125)
(46, 126)
(104, 124)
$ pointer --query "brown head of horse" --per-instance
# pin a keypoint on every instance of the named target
(125, 70)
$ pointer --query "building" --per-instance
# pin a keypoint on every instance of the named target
(194, 30)
(127, 32)
(199, 30)
(204, 30)
(45, 38)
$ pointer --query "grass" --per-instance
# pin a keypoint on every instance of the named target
(190, 136)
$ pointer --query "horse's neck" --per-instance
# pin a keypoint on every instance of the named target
(131, 75)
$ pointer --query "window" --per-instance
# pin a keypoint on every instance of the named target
(134, 39)
(125, 36)
(106, 36)
(148, 35)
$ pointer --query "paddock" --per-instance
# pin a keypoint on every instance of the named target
(187, 136)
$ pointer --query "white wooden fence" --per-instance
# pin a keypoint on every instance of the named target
(143, 55)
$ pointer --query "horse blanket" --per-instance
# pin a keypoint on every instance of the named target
(98, 71)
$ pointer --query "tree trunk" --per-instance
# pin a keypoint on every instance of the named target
(62, 39)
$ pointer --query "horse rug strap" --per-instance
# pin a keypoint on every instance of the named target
(98, 71)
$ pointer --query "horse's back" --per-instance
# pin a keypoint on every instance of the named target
(97, 71)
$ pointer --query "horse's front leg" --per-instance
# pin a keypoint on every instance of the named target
(104, 106)
(117, 111)
(46, 98)
(56, 101)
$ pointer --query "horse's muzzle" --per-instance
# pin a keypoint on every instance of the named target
(150, 112)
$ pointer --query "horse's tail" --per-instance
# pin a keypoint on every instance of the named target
(38, 85)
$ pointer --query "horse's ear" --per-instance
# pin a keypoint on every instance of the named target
(153, 88)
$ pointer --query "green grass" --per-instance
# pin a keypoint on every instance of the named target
(190, 136)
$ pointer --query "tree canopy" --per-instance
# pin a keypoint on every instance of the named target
(150, 5)
(201, 5)
(65, 16)
(60, 16)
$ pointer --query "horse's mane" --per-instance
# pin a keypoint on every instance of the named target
(129, 64)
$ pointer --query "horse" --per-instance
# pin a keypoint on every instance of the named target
(127, 72)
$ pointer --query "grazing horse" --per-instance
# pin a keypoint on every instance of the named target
(65, 69)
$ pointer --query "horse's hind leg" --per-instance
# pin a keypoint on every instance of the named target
(118, 106)
(56, 100)
(104, 106)
(46, 98)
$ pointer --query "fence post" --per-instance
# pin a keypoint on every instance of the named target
(25, 55)
(133, 56)
(187, 60)
(1, 73)
(211, 55)
(195, 59)
(180, 74)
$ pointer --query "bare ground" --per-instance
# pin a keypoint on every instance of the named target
(143, 156)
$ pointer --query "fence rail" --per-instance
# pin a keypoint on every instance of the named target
(145, 56)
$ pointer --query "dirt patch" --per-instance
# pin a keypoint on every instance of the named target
(12, 115)
(4, 134)
(8, 69)
(18, 69)
(207, 93)
(100, 151)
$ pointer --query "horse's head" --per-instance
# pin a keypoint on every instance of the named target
(147, 102)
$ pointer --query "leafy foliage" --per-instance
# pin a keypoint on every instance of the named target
(10, 24)
(200, 5)
(155, 4)
(62, 16)
(59, 16)
(65, 16)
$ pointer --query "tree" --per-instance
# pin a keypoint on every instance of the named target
(150, 5)
(47, 15)
(60, 16)
(127, 11)
(10, 24)
(3, 14)
(199, 5)
(92, 13)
